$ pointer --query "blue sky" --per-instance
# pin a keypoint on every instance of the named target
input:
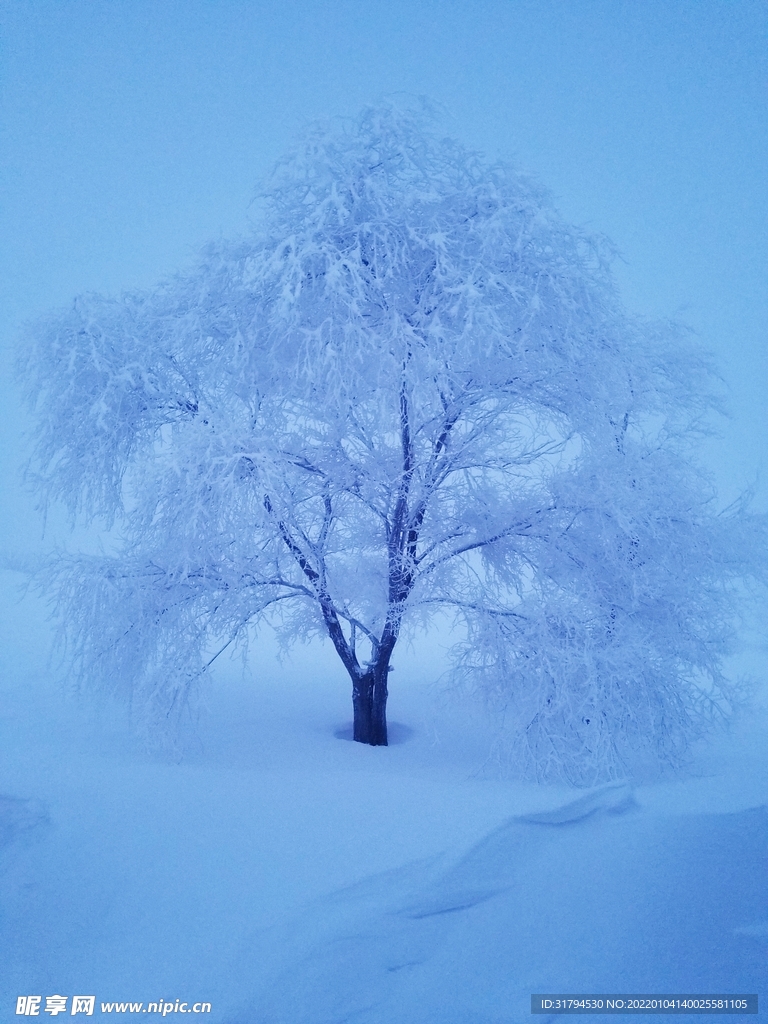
(134, 131)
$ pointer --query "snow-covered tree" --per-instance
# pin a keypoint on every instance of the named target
(410, 389)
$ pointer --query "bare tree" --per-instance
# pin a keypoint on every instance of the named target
(410, 388)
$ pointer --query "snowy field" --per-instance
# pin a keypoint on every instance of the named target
(285, 874)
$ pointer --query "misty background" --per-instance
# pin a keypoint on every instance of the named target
(133, 132)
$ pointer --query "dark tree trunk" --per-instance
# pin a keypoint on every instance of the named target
(369, 703)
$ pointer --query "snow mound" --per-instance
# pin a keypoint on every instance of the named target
(599, 895)
(607, 800)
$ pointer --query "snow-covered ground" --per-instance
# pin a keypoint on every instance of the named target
(285, 874)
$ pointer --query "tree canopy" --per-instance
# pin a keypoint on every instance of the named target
(409, 388)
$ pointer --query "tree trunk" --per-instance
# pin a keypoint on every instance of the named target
(369, 703)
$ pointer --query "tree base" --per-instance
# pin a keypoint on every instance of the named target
(369, 704)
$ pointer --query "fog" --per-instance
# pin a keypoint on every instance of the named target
(134, 132)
